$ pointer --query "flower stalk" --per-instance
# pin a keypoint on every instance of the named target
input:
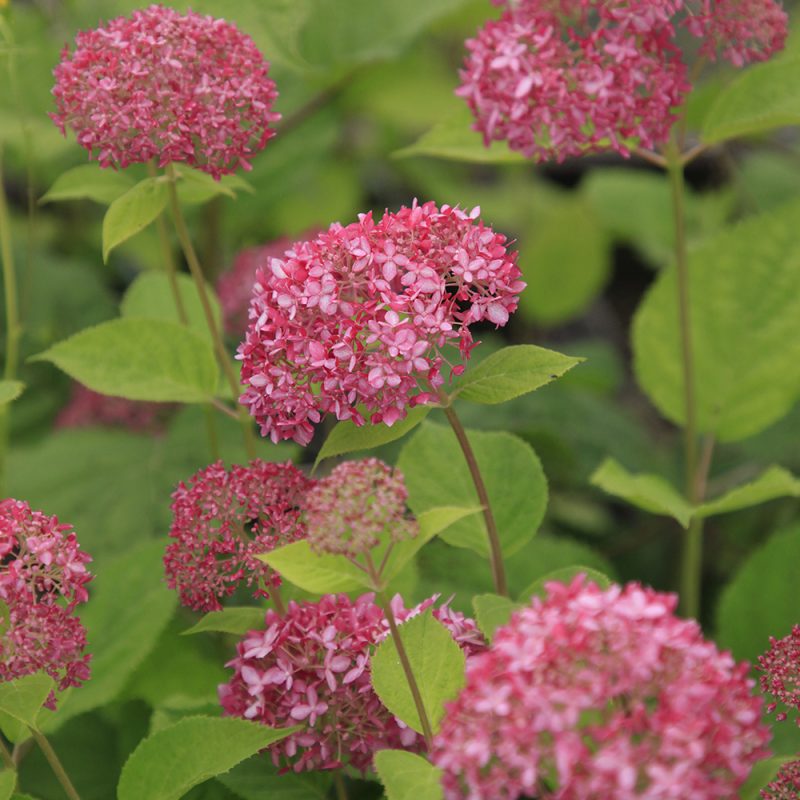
(55, 764)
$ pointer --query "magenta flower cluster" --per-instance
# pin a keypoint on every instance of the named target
(561, 78)
(359, 316)
(312, 666)
(167, 86)
(592, 694)
(786, 785)
(780, 678)
(221, 520)
(43, 577)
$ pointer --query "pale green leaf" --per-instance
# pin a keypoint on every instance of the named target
(90, 182)
(407, 775)
(318, 573)
(258, 779)
(650, 492)
(8, 782)
(169, 763)
(23, 698)
(492, 611)
(774, 483)
(233, 619)
(133, 212)
(437, 663)
(346, 437)
(436, 474)
(564, 575)
(195, 187)
(10, 391)
(513, 371)
(762, 773)
(744, 310)
(139, 359)
(760, 99)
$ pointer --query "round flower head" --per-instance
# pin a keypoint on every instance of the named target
(221, 520)
(167, 86)
(88, 408)
(348, 511)
(786, 785)
(780, 666)
(43, 576)
(360, 314)
(593, 694)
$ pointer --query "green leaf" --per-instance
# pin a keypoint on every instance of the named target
(88, 182)
(4, 617)
(492, 611)
(8, 782)
(346, 437)
(258, 779)
(321, 574)
(436, 662)
(195, 187)
(133, 212)
(23, 698)
(169, 763)
(150, 297)
(775, 482)
(453, 138)
(745, 309)
(564, 575)
(139, 359)
(650, 492)
(232, 619)
(763, 772)
(758, 100)
(513, 371)
(10, 391)
(761, 600)
(436, 474)
(407, 775)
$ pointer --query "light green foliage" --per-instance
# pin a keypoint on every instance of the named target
(169, 763)
(10, 391)
(436, 474)
(511, 372)
(407, 775)
(140, 360)
(258, 779)
(745, 312)
(232, 619)
(773, 483)
(195, 187)
(8, 782)
(564, 575)
(315, 572)
(22, 698)
(761, 600)
(436, 661)
(88, 182)
(492, 611)
(133, 212)
(759, 100)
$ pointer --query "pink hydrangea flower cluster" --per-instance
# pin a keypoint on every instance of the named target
(312, 667)
(352, 508)
(167, 86)
(43, 577)
(593, 694)
(359, 315)
(560, 78)
(222, 519)
(86, 408)
(786, 785)
(780, 666)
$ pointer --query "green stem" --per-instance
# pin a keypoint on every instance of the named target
(55, 765)
(338, 782)
(197, 274)
(495, 551)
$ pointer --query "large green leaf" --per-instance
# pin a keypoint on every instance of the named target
(23, 698)
(761, 600)
(436, 474)
(513, 371)
(233, 619)
(140, 360)
(169, 763)
(775, 482)
(90, 182)
(745, 315)
(407, 775)
(314, 572)
(133, 212)
(437, 663)
(10, 390)
(492, 611)
(761, 99)
(8, 782)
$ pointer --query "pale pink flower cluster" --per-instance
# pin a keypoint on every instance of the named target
(312, 667)
(592, 694)
(167, 86)
(780, 666)
(350, 510)
(87, 408)
(359, 315)
(43, 577)
(786, 785)
(561, 78)
(222, 519)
